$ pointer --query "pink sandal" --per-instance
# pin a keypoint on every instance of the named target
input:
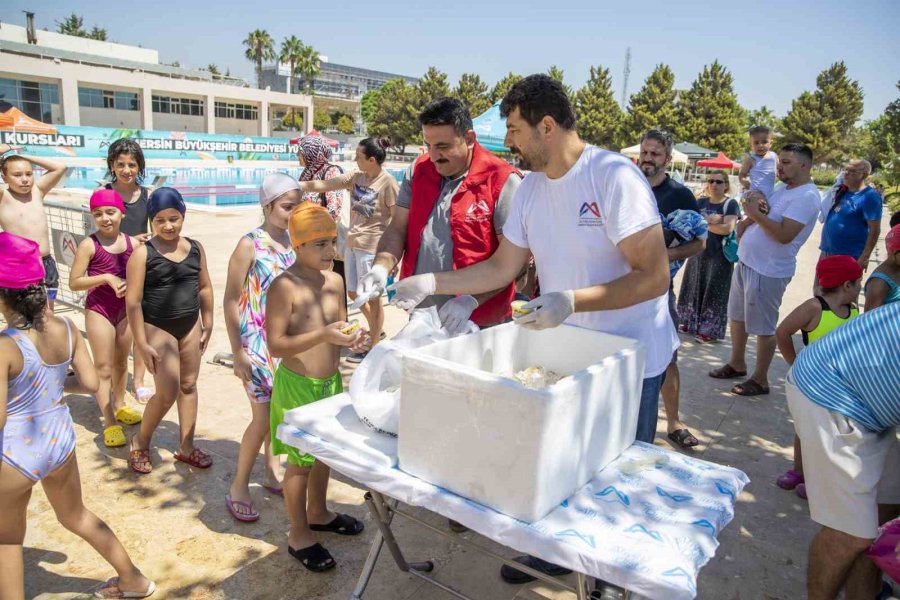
(790, 480)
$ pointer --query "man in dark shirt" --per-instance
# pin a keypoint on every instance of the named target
(655, 156)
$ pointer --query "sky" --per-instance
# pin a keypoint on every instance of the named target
(773, 48)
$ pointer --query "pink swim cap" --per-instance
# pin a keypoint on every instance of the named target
(106, 197)
(21, 265)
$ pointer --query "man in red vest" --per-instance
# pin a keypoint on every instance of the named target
(449, 214)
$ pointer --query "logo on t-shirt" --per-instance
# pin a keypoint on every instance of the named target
(478, 211)
(589, 215)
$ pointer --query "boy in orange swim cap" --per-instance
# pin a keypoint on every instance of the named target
(305, 321)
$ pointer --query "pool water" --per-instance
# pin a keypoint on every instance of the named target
(219, 186)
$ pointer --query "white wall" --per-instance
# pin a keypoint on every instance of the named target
(237, 126)
(176, 122)
(110, 117)
(51, 39)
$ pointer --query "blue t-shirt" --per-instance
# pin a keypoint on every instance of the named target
(846, 226)
(855, 369)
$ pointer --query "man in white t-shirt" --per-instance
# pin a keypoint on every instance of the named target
(768, 245)
(590, 219)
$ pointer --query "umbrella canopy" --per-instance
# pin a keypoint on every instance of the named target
(719, 162)
(490, 129)
(679, 158)
(13, 118)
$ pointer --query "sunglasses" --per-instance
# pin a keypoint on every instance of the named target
(714, 181)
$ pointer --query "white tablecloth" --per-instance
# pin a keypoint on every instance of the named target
(647, 522)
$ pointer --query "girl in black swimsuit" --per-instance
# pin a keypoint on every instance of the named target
(169, 301)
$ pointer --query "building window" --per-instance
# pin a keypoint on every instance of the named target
(178, 106)
(227, 110)
(37, 100)
(95, 98)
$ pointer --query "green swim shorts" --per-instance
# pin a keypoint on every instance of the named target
(290, 390)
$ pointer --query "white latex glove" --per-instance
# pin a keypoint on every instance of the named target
(548, 310)
(455, 313)
(411, 291)
(372, 283)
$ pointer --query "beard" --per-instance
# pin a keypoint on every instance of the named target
(532, 161)
(650, 170)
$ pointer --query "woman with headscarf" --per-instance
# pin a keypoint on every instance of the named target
(314, 155)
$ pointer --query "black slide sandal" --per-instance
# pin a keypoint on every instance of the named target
(315, 558)
(341, 525)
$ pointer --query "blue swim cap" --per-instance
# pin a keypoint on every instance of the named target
(163, 198)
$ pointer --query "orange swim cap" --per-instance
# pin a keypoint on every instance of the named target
(310, 222)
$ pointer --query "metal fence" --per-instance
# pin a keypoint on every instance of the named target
(69, 223)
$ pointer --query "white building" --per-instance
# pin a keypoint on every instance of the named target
(74, 81)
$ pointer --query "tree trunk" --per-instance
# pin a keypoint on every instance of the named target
(259, 71)
(291, 79)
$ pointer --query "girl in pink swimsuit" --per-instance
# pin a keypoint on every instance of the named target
(99, 268)
(37, 436)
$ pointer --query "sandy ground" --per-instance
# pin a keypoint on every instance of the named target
(175, 525)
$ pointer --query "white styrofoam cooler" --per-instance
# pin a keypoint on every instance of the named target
(520, 451)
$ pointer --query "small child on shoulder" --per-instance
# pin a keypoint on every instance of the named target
(840, 279)
(306, 327)
(759, 167)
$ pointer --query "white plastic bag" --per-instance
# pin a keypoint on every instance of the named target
(375, 385)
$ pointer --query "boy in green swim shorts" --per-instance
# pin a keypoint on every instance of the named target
(306, 327)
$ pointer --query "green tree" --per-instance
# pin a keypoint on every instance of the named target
(558, 74)
(599, 116)
(395, 115)
(653, 106)
(763, 116)
(473, 92)
(825, 118)
(291, 50)
(97, 34)
(345, 125)
(213, 69)
(881, 138)
(72, 25)
(432, 85)
(709, 113)
(321, 119)
(309, 65)
(501, 87)
(367, 105)
(259, 48)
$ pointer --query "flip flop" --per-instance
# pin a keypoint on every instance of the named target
(143, 394)
(315, 558)
(341, 525)
(114, 436)
(253, 515)
(110, 589)
(750, 388)
(683, 439)
(128, 415)
(139, 461)
(274, 490)
(726, 372)
(196, 458)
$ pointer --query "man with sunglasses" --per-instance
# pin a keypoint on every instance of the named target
(853, 221)
(655, 156)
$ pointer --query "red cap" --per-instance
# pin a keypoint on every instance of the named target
(892, 241)
(833, 271)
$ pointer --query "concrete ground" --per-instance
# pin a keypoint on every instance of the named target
(175, 525)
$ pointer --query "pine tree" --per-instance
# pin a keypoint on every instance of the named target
(765, 117)
(709, 113)
(473, 93)
(558, 74)
(653, 107)
(395, 114)
(501, 87)
(825, 119)
(432, 85)
(599, 116)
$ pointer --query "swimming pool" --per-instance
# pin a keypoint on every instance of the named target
(218, 186)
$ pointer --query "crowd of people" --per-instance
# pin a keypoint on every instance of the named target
(606, 238)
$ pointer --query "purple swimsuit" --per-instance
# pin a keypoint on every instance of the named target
(39, 435)
(102, 299)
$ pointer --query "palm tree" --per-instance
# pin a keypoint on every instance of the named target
(259, 48)
(291, 51)
(308, 65)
